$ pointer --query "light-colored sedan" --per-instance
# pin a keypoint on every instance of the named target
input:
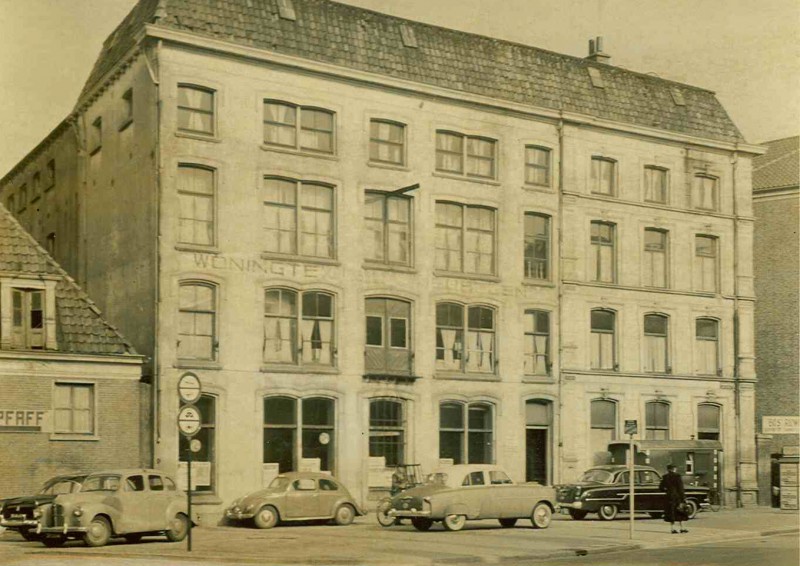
(297, 496)
(459, 493)
(126, 503)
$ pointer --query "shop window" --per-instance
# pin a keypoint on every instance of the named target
(73, 409)
(296, 429)
(388, 330)
(466, 432)
(454, 322)
(387, 431)
(657, 420)
(388, 220)
(204, 462)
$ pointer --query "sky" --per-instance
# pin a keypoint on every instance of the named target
(747, 51)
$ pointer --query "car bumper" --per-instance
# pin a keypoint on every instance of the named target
(408, 513)
(65, 530)
(18, 523)
(573, 505)
(238, 515)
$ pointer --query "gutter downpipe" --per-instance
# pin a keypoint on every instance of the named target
(736, 334)
(560, 128)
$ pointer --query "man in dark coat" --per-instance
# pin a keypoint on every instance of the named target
(672, 484)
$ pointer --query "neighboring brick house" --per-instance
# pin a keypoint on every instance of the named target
(381, 241)
(70, 393)
(776, 259)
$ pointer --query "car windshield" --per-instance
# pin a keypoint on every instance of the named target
(279, 483)
(59, 487)
(101, 483)
(597, 476)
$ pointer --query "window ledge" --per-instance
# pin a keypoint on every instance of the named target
(457, 177)
(391, 166)
(197, 248)
(538, 283)
(299, 152)
(197, 364)
(300, 259)
(124, 125)
(299, 369)
(205, 498)
(389, 267)
(398, 378)
(537, 379)
(476, 277)
(198, 136)
(539, 189)
(75, 437)
(466, 376)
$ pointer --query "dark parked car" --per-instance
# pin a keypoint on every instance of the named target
(122, 503)
(605, 489)
(16, 513)
(297, 496)
(464, 492)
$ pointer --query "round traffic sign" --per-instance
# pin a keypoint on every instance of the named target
(189, 388)
(189, 420)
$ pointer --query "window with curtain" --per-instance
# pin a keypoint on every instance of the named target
(603, 428)
(705, 192)
(470, 444)
(603, 353)
(655, 184)
(707, 346)
(604, 176)
(655, 258)
(537, 166)
(705, 263)
(537, 246)
(298, 127)
(454, 323)
(657, 420)
(207, 406)
(387, 430)
(537, 342)
(387, 142)
(708, 421)
(73, 408)
(460, 154)
(196, 110)
(303, 335)
(388, 220)
(602, 259)
(656, 345)
(296, 429)
(298, 217)
(465, 238)
(196, 192)
(388, 329)
(197, 313)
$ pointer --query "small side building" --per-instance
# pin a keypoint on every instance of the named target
(71, 397)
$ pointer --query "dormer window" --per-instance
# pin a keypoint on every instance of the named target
(27, 320)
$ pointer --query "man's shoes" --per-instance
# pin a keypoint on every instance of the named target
(674, 532)
(684, 531)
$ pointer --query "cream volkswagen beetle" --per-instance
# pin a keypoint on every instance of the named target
(126, 503)
(457, 493)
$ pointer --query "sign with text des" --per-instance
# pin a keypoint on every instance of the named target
(780, 425)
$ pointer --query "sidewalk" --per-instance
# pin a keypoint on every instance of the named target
(481, 542)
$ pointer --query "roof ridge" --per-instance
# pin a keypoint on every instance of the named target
(779, 140)
(21, 232)
(776, 159)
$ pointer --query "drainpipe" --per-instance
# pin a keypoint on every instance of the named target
(737, 391)
(560, 128)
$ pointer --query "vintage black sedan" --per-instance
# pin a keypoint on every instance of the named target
(16, 513)
(605, 490)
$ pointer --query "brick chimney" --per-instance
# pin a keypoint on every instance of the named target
(596, 51)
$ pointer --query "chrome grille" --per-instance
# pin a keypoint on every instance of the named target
(58, 515)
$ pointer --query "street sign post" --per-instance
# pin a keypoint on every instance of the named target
(631, 428)
(189, 424)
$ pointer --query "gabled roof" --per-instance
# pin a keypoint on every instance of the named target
(779, 167)
(80, 329)
(369, 41)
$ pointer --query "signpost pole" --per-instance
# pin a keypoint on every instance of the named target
(631, 461)
(189, 503)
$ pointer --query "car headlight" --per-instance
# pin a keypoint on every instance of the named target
(249, 508)
(577, 492)
(37, 513)
(77, 511)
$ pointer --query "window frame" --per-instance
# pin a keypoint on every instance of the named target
(71, 433)
(385, 430)
(532, 166)
(699, 268)
(298, 126)
(299, 427)
(374, 141)
(717, 349)
(466, 429)
(386, 224)
(646, 366)
(464, 232)
(195, 195)
(697, 200)
(208, 426)
(649, 172)
(23, 336)
(298, 340)
(651, 426)
(650, 255)
(465, 155)
(703, 433)
(214, 313)
(190, 109)
(596, 176)
(597, 246)
(531, 335)
(529, 260)
(598, 364)
(466, 331)
(386, 346)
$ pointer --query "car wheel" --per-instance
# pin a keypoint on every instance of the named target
(454, 522)
(577, 514)
(98, 532)
(266, 517)
(178, 528)
(692, 508)
(54, 542)
(29, 534)
(656, 514)
(608, 512)
(344, 514)
(381, 513)
(541, 516)
(507, 523)
(133, 538)
(422, 523)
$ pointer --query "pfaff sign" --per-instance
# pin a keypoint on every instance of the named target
(21, 421)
